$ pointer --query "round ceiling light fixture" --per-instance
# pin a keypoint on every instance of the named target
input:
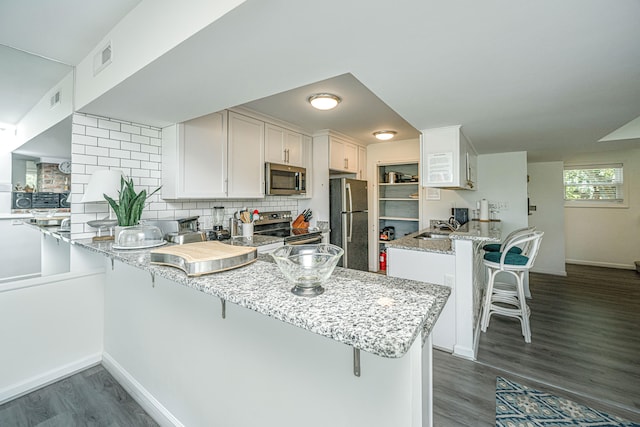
(385, 135)
(324, 101)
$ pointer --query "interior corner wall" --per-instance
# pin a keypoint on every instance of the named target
(501, 178)
(606, 237)
(546, 194)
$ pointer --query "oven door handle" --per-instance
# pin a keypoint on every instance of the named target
(316, 239)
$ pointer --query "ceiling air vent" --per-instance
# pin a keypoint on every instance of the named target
(55, 99)
(102, 59)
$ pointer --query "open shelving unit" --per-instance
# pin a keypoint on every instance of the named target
(399, 202)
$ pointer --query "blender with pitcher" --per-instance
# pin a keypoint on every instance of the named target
(217, 219)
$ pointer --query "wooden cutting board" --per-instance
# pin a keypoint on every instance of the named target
(200, 258)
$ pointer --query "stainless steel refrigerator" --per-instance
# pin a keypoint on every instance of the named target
(349, 221)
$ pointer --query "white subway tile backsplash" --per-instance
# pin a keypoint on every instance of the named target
(77, 129)
(152, 182)
(120, 154)
(150, 149)
(121, 136)
(78, 149)
(134, 130)
(150, 165)
(140, 139)
(134, 164)
(143, 173)
(154, 133)
(101, 133)
(130, 146)
(140, 156)
(83, 119)
(84, 140)
(156, 142)
(155, 174)
(108, 161)
(108, 143)
(108, 124)
(87, 160)
(97, 151)
(155, 158)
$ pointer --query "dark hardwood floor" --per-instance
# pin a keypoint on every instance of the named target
(585, 347)
(89, 398)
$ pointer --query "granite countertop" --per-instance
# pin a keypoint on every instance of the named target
(473, 230)
(374, 313)
(255, 241)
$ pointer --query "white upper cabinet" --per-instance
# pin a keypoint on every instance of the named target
(220, 155)
(246, 157)
(194, 158)
(448, 159)
(283, 146)
(343, 155)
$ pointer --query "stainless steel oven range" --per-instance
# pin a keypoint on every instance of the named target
(279, 224)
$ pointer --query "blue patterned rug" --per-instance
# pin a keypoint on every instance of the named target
(521, 406)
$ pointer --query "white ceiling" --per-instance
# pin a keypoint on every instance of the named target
(40, 41)
(547, 77)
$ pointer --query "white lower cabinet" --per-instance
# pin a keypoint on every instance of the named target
(430, 267)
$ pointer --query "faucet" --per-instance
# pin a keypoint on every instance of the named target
(452, 224)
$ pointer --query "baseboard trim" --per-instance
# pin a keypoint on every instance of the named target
(140, 394)
(562, 273)
(464, 352)
(601, 264)
(34, 383)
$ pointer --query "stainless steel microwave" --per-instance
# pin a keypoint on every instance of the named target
(284, 180)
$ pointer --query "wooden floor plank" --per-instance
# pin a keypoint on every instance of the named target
(585, 346)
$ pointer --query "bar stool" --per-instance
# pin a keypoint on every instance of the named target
(497, 247)
(509, 299)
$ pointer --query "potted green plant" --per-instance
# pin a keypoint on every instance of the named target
(129, 207)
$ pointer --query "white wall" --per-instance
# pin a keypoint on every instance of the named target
(19, 250)
(546, 193)
(50, 328)
(606, 237)
(501, 178)
(384, 152)
(41, 117)
(146, 33)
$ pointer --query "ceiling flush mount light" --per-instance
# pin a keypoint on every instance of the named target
(324, 101)
(385, 135)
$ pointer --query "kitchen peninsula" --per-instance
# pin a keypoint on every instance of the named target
(235, 349)
(455, 262)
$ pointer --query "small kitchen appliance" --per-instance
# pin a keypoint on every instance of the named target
(284, 180)
(218, 232)
(461, 215)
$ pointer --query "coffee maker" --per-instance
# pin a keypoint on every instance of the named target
(217, 219)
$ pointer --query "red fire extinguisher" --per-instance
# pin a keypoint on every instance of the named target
(383, 260)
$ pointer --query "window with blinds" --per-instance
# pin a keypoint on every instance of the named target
(594, 183)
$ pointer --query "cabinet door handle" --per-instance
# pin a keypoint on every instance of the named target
(346, 163)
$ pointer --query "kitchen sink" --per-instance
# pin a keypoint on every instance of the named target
(429, 236)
